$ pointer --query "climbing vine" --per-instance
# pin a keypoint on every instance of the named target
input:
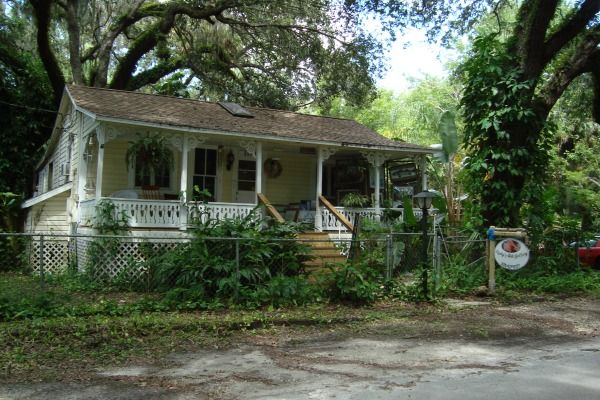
(505, 140)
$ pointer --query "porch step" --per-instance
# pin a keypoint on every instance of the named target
(323, 250)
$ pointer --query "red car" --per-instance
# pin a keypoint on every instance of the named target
(590, 253)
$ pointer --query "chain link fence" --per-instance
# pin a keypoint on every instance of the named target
(128, 258)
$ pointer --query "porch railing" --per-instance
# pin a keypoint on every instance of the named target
(331, 223)
(87, 209)
(142, 213)
(217, 211)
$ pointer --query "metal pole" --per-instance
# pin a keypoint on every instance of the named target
(424, 253)
(438, 264)
(237, 269)
(42, 282)
(389, 255)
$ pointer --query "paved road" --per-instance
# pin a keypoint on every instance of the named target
(554, 365)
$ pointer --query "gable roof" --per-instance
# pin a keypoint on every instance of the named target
(123, 106)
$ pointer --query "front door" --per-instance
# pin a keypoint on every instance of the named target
(245, 191)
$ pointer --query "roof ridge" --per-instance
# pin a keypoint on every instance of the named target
(85, 87)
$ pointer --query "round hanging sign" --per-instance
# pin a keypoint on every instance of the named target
(511, 254)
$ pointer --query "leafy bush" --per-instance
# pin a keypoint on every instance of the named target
(208, 263)
(352, 283)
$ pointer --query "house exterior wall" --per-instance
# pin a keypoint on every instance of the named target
(61, 158)
(49, 216)
(296, 182)
(117, 176)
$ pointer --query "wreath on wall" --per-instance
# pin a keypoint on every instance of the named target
(272, 168)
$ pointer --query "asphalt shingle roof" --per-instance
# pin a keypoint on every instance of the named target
(196, 114)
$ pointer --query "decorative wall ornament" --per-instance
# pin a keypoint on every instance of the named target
(105, 133)
(195, 141)
(250, 147)
(376, 159)
(327, 152)
(272, 167)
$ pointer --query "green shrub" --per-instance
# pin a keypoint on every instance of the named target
(352, 283)
(209, 260)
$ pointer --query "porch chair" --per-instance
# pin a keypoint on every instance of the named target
(151, 192)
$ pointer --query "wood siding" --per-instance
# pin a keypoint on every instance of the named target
(49, 215)
(296, 182)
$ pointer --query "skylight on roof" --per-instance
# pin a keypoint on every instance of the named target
(236, 110)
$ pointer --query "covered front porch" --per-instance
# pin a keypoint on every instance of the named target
(220, 176)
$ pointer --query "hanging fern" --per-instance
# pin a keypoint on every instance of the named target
(150, 154)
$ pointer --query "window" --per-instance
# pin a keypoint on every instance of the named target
(247, 175)
(205, 171)
(50, 175)
(161, 178)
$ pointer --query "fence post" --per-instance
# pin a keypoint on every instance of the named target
(389, 257)
(237, 268)
(42, 283)
(438, 261)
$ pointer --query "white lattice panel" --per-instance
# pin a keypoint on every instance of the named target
(123, 260)
(55, 256)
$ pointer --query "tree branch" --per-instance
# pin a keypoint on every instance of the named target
(154, 74)
(41, 9)
(71, 9)
(580, 61)
(533, 21)
(571, 28)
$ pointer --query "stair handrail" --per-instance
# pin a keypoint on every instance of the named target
(336, 213)
(272, 211)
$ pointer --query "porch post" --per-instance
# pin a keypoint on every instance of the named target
(82, 168)
(100, 165)
(184, 169)
(259, 169)
(377, 199)
(319, 191)
(183, 214)
(376, 160)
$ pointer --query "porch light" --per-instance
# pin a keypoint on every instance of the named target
(424, 199)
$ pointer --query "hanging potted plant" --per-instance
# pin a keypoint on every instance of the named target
(149, 154)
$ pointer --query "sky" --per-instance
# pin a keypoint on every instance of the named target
(412, 56)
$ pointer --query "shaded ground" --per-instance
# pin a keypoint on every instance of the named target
(462, 350)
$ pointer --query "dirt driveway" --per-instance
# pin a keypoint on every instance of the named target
(466, 350)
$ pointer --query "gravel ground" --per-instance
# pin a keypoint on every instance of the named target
(465, 350)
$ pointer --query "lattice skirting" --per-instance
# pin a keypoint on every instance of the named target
(55, 256)
(109, 260)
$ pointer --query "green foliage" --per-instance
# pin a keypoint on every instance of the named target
(352, 283)
(355, 200)
(209, 264)
(11, 248)
(25, 108)
(150, 154)
(412, 116)
(448, 135)
(108, 221)
(505, 143)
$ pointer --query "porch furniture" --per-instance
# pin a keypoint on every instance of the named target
(151, 192)
(125, 194)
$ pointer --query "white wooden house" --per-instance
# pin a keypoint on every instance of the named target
(299, 165)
